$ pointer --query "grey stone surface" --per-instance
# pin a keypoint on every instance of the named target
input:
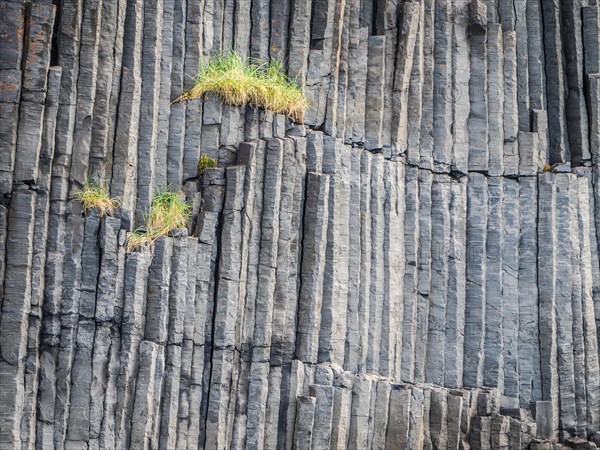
(374, 97)
(359, 418)
(548, 267)
(440, 245)
(410, 14)
(315, 229)
(461, 251)
(494, 309)
(477, 200)
(423, 273)
(149, 107)
(478, 83)
(557, 121)
(437, 150)
(411, 235)
(513, 97)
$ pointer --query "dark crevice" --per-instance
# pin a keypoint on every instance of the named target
(27, 24)
(300, 257)
(211, 347)
(54, 44)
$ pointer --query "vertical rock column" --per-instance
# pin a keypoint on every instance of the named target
(478, 117)
(513, 91)
(69, 317)
(577, 308)
(147, 146)
(415, 90)
(574, 76)
(351, 354)
(170, 170)
(564, 309)
(13, 20)
(107, 345)
(16, 304)
(225, 356)
(476, 274)
(33, 92)
(165, 419)
(178, 424)
(548, 270)
(133, 324)
(374, 100)
(10, 79)
(535, 57)
(151, 362)
(425, 178)
(588, 247)
(529, 344)
(284, 398)
(266, 335)
(252, 155)
(338, 42)
(108, 79)
(411, 251)
(343, 71)
(410, 17)
(365, 258)
(313, 256)
(376, 294)
(430, 83)
(495, 92)
(191, 429)
(440, 246)
(493, 373)
(86, 91)
(332, 335)
(64, 242)
(38, 268)
(456, 294)
(441, 147)
(554, 65)
(359, 75)
(460, 104)
(125, 157)
(390, 356)
(510, 290)
(78, 425)
(299, 37)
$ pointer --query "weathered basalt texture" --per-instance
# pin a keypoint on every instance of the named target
(415, 266)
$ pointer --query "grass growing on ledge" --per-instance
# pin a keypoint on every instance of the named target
(240, 81)
(167, 213)
(95, 195)
(206, 162)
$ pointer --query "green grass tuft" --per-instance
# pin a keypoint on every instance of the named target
(241, 81)
(168, 212)
(95, 195)
(206, 162)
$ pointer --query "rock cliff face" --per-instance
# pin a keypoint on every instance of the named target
(416, 266)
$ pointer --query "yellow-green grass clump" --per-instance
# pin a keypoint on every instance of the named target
(168, 212)
(240, 81)
(206, 162)
(95, 195)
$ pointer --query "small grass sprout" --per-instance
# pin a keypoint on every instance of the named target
(138, 239)
(240, 81)
(206, 162)
(168, 212)
(95, 195)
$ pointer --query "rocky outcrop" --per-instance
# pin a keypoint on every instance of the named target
(416, 266)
